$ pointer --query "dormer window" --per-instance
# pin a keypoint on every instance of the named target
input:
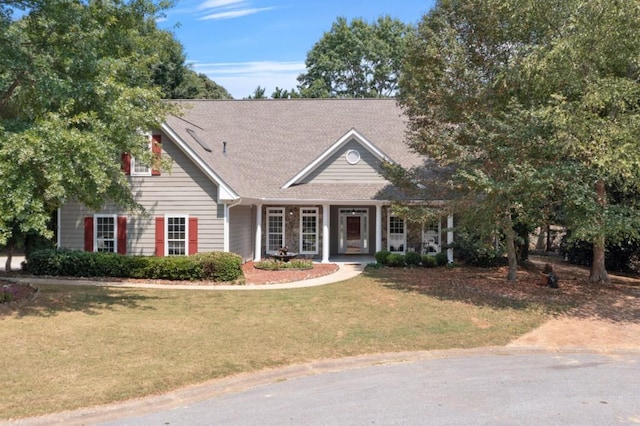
(133, 167)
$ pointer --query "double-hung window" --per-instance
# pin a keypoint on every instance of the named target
(396, 234)
(176, 235)
(275, 228)
(309, 230)
(105, 231)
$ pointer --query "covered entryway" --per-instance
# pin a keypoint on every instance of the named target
(353, 234)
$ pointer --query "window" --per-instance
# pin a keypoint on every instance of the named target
(134, 167)
(431, 238)
(176, 235)
(309, 230)
(138, 168)
(105, 233)
(352, 156)
(275, 229)
(396, 237)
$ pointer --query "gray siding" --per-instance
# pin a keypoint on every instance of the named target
(183, 191)
(241, 231)
(336, 168)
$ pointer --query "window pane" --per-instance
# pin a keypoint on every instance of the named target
(105, 234)
(176, 236)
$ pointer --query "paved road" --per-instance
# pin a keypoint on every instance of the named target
(520, 388)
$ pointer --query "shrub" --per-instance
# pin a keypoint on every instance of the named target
(220, 266)
(477, 251)
(441, 258)
(215, 266)
(429, 261)
(395, 259)
(276, 265)
(412, 258)
(382, 256)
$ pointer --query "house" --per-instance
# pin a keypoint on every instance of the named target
(250, 177)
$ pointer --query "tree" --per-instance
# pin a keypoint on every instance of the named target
(355, 59)
(199, 86)
(258, 93)
(535, 104)
(76, 91)
(466, 115)
(284, 94)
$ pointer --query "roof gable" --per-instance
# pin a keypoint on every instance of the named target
(349, 137)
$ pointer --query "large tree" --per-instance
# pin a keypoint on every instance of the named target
(76, 91)
(535, 105)
(355, 59)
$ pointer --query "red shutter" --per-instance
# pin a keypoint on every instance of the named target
(193, 235)
(160, 236)
(156, 149)
(88, 233)
(122, 235)
(126, 163)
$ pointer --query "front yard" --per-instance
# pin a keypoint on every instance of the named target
(74, 347)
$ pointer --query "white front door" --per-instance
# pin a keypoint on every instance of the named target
(353, 232)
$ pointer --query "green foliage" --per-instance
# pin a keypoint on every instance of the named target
(6, 295)
(429, 261)
(475, 250)
(395, 260)
(441, 258)
(355, 59)
(76, 87)
(382, 256)
(198, 86)
(219, 267)
(276, 265)
(412, 258)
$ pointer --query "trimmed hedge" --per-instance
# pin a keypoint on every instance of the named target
(412, 258)
(214, 266)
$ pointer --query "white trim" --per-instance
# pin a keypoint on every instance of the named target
(225, 193)
(316, 234)
(351, 134)
(115, 231)
(325, 232)
(276, 212)
(378, 227)
(257, 249)
(59, 228)
(450, 238)
(166, 233)
(404, 234)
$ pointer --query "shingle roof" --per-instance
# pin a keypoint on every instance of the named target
(270, 141)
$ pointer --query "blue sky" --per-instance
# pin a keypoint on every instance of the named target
(241, 44)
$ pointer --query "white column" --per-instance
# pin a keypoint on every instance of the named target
(325, 233)
(225, 238)
(257, 250)
(378, 228)
(450, 238)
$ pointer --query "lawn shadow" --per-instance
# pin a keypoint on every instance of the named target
(51, 300)
(488, 287)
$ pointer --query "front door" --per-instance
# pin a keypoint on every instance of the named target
(354, 231)
(353, 235)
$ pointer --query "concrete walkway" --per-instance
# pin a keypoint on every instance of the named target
(347, 268)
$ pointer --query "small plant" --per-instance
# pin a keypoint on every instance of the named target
(276, 265)
(395, 259)
(441, 258)
(382, 256)
(429, 261)
(6, 295)
(412, 258)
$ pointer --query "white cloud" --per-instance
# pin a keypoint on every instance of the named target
(242, 78)
(227, 9)
(234, 13)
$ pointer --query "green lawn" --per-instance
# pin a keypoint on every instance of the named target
(81, 346)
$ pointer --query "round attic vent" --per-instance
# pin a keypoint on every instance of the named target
(352, 156)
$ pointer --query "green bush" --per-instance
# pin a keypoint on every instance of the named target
(441, 258)
(220, 266)
(412, 258)
(395, 259)
(276, 265)
(382, 256)
(429, 261)
(214, 266)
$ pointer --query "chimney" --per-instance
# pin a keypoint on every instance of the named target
(224, 148)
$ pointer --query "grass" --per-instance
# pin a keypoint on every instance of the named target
(82, 346)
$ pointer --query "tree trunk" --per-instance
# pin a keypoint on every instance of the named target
(7, 265)
(598, 270)
(510, 240)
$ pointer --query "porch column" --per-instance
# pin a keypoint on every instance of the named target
(325, 233)
(450, 238)
(257, 250)
(378, 228)
(225, 237)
